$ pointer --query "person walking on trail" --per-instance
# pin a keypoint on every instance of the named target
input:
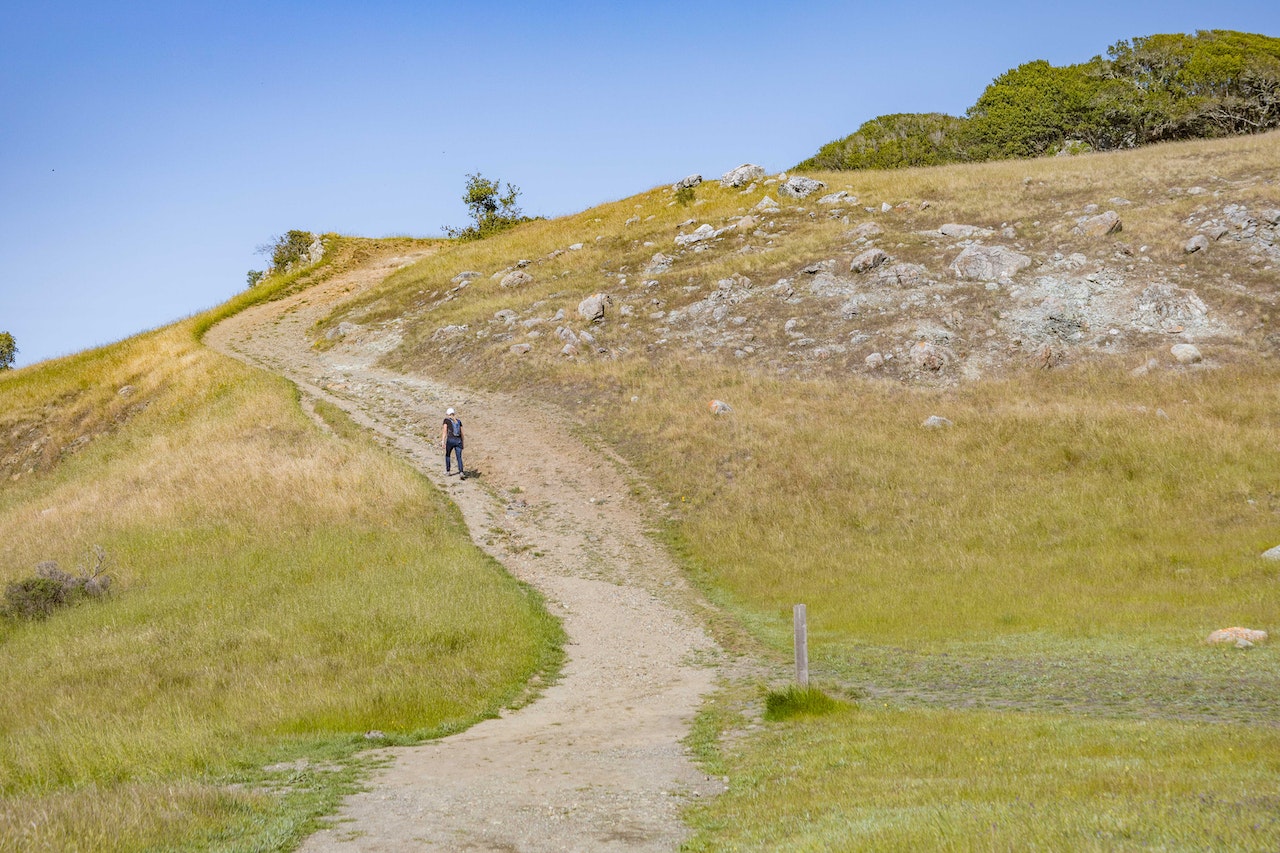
(451, 441)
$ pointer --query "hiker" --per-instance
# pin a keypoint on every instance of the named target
(451, 440)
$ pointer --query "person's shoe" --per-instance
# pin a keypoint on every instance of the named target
(449, 473)
(462, 475)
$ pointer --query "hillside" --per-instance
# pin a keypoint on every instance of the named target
(1009, 610)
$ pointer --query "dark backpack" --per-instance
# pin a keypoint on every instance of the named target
(455, 428)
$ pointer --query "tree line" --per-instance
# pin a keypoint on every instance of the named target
(1149, 89)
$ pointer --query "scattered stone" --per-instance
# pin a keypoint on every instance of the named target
(1271, 553)
(374, 734)
(1197, 243)
(928, 356)
(126, 390)
(1215, 230)
(767, 205)
(687, 183)
(521, 349)
(506, 315)
(702, 232)
(936, 422)
(875, 361)
(575, 247)
(885, 207)
(1241, 638)
(1100, 225)
(989, 263)
(837, 197)
(719, 407)
(963, 232)
(868, 260)
(904, 275)
(1270, 215)
(569, 351)
(516, 278)
(1185, 353)
(659, 263)
(742, 175)
(867, 230)
(592, 308)
(466, 275)
(800, 187)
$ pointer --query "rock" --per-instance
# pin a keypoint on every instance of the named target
(746, 223)
(885, 207)
(659, 263)
(927, 356)
(800, 187)
(342, 330)
(516, 278)
(506, 315)
(1169, 308)
(1185, 353)
(963, 232)
(1272, 553)
(126, 390)
(574, 247)
(569, 351)
(868, 260)
(837, 197)
(904, 275)
(875, 361)
(466, 275)
(1197, 243)
(1270, 215)
(702, 232)
(719, 407)
(592, 308)
(936, 422)
(989, 263)
(1214, 230)
(767, 205)
(687, 183)
(866, 229)
(742, 175)
(521, 349)
(1100, 225)
(1237, 636)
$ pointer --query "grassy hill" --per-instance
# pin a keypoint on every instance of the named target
(1014, 607)
(279, 590)
(1018, 602)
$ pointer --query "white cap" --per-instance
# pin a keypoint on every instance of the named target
(449, 412)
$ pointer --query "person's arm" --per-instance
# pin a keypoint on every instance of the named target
(444, 433)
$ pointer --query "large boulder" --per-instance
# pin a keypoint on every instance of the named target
(516, 278)
(687, 183)
(1186, 353)
(1100, 225)
(702, 232)
(963, 232)
(592, 308)
(742, 175)
(800, 187)
(868, 260)
(989, 263)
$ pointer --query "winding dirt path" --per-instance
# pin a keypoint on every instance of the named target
(595, 763)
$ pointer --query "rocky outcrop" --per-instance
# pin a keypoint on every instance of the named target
(742, 175)
(1100, 225)
(516, 278)
(989, 263)
(868, 260)
(800, 187)
(592, 308)
(687, 183)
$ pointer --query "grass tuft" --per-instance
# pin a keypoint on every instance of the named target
(795, 701)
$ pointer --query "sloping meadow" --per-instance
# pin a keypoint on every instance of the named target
(277, 591)
(1022, 596)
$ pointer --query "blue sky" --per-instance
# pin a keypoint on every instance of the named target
(146, 151)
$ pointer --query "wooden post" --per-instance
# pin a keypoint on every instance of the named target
(802, 645)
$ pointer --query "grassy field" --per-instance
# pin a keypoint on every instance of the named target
(280, 589)
(1017, 604)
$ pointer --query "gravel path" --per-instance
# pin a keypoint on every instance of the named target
(596, 762)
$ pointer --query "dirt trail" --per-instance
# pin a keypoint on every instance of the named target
(596, 762)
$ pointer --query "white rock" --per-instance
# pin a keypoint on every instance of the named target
(800, 187)
(963, 232)
(1185, 353)
(742, 175)
(719, 407)
(989, 263)
(516, 278)
(936, 422)
(868, 260)
(687, 183)
(1197, 243)
(875, 361)
(592, 308)
(521, 349)
(1271, 553)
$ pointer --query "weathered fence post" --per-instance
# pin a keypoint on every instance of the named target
(802, 645)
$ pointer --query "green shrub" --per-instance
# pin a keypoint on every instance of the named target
(51, 587)
(685, 196)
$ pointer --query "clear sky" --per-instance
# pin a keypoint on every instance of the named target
(146, 149)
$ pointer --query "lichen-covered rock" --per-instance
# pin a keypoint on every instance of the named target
(702, 232)
(963, 232)
(592, 308)
(936, 422)
(466, 275)
(742, 175)
(868, 260)
(989, 263)
(521, 349)
(687, 183)
(1197, 243)
(516, 278)
(659, 263)
(800, 187)
(1186, 353)
(1100, 225)
(1236, 636)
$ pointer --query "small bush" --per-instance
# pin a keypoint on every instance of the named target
(800, 702)
(37, 597)
(685, 196)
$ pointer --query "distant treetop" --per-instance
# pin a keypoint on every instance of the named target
(1148, 89)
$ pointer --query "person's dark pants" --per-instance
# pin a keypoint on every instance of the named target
(456, 447)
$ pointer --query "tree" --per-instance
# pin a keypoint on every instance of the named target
(1028, 110)
(288, 249)
(491, 209)
(894, 142)
(8, 350)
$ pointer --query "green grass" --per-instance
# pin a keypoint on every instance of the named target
(1041, 575)
(279, 591)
